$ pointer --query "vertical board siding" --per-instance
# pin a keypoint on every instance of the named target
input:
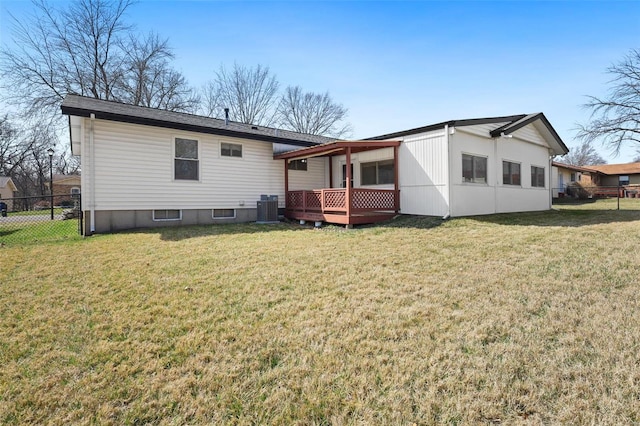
(134, 170)
(423, 174)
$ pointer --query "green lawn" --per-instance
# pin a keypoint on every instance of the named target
(521, 318)
(42, 212)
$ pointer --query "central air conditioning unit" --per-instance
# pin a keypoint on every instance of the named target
(268, 209)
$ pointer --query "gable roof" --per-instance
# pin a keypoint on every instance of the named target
(61, 179)
(513, 123)
(618, 169)
(6, 181)
(82, 106)
(575, 168)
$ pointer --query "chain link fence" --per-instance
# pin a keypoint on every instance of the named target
(622, 197)
(29, 220)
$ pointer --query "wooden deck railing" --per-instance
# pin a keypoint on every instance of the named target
(335, 200)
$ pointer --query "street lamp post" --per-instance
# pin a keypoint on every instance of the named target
(50, 152)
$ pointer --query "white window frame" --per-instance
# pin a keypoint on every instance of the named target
(544, 175)
(486, 178)
(377, 165)
(509, 183)
(174, 158)
(75, 190)
(214, 217)
(153, 213)
(232, 156)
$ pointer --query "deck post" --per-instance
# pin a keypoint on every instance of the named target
(348, 183)
(330, 171)
(286, 181)
(396, 183)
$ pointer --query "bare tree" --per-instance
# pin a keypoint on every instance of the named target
(249, 93)
(615, 119)
(150, 81)
(13, 149)
(312, 113)
(211, 104)
(583, 155)
(65, 51)
(87, 49)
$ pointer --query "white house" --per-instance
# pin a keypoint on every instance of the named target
(455, 168)
(144, 167)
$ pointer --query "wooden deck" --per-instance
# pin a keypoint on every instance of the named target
(337, 205)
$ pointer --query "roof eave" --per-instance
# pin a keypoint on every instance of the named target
(335, 148)
(82, 112)
(513, 127)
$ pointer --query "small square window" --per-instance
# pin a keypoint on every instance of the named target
(231, 150)
(298, 164)
(474, 169)
(510, 173)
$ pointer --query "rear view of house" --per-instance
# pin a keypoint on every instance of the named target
(145, 167)
(449, 169)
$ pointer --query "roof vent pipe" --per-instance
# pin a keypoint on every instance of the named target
(226, 116)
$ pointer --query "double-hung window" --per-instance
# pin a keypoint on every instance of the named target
(377, 173)
(537, 177)
(474, 169)
(186, 164)
(510, 173)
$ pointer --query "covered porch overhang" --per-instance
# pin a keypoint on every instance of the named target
(345, 206)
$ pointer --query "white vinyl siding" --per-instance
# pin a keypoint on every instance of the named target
(312, 178)
(146, 153)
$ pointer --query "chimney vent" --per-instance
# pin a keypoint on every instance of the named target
(226, 116)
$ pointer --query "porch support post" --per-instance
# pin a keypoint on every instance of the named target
(348, 184)
(286, 182)
(396, 185)
(330, 172)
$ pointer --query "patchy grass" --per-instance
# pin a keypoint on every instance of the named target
(524, 318)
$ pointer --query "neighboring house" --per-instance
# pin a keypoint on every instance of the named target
(147, 167)
(65, 187)
(7, 191)
(618, 174)
(563, 176)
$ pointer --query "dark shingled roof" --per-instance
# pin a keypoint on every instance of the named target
(115, 111)
(513, 123)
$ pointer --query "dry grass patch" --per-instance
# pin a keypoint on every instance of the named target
(529, 318)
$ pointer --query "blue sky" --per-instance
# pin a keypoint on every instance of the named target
(403, 64)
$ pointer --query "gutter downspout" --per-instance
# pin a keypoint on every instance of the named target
(92, 185)
(495, 175)
(551, 182)
(446, 134)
